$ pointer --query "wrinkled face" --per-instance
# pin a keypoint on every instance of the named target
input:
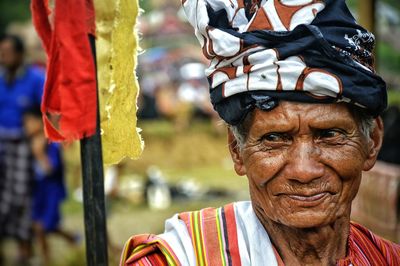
(304, 162)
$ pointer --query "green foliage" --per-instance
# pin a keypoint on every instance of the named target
(11, 10)
(393, 3)
(145, 5)
(394, 97)
(388, 57)
(351, 4)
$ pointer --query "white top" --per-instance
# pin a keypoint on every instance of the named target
(254, 244)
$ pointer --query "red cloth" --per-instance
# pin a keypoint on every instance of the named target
(70, 88)
(366, 248)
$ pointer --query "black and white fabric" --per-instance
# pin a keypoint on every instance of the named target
(263, 51)
(15, 188)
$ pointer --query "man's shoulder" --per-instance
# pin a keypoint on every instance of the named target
(230, 213)
(373, 244)
(357, 229)
(212, 211)
(185, 236)
(148, 249)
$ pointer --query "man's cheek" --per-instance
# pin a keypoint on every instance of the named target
(346, 165)
(264, 169)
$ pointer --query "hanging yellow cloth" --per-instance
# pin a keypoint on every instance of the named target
(117, 46)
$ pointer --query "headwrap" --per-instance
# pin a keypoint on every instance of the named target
(262, 51)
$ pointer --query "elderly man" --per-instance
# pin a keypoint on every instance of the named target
(295, 82)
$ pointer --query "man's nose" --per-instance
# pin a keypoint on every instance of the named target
(303, 162)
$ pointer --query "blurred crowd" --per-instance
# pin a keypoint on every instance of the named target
(173, 87)
(171, 70)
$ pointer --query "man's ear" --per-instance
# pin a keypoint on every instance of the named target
(236, 154)
(374, 144)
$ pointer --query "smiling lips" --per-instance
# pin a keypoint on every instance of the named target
(308, 198)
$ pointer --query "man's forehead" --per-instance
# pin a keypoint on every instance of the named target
(295, 112)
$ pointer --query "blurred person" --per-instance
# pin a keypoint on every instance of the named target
(194, 89)
(171, 107)
(112, 174)
(157, 192)
(48, 188)
(21, 87)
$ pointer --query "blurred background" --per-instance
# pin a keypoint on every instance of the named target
(185, 164)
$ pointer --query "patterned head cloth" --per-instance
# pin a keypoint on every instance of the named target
(263, 51)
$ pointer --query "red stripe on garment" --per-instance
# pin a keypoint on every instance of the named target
(210, 236)
(156, 259)
(278, 257)
(232, 234)
(366, 248)
(185, 216)
(145, 250)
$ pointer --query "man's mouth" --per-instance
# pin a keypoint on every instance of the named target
(308, 198)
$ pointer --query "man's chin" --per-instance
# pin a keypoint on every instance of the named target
(307, 220)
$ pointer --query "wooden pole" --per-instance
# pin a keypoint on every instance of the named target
(366, 14)
(367, 19)
(93, 193)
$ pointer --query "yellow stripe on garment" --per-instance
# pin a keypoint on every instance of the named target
(220, 239)
(166, 250)
(200, 253)
(117, 45)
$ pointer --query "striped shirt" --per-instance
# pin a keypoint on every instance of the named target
(232, 235)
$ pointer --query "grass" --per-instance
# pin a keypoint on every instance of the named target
(394, 97)
(389, 58)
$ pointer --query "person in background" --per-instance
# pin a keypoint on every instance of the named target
(48, 188)
(111, 187)
(21, 87)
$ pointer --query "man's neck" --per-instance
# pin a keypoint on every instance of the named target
(312, 246)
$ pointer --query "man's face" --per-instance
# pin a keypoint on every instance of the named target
(303, 163)
(9, 58)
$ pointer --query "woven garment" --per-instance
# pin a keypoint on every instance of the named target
(232, 235)
(15, 189)
(212, 236)
(366, 248)
(264, 51)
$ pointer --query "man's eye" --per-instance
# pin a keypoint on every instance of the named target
(329, 133)
(275, 137)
